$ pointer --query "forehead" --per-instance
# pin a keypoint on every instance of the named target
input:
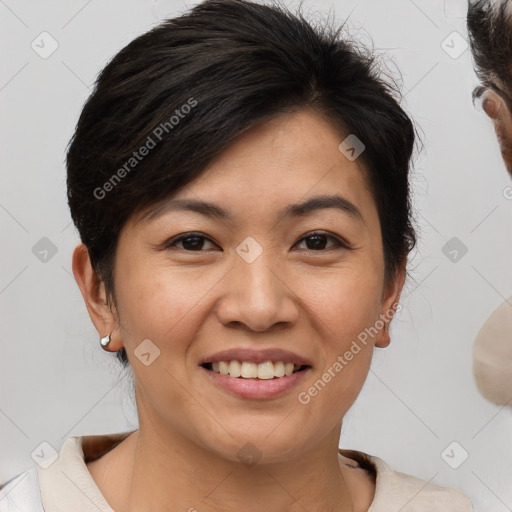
(299, 149)
(282, 161)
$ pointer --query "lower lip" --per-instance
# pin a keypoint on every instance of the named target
(256, 388)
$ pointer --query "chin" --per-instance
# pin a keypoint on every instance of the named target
(252, 448)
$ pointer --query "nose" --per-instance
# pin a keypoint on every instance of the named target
(256, 296)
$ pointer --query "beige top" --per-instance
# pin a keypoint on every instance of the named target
(66, 485)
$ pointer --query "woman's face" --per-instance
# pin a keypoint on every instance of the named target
(256, 279)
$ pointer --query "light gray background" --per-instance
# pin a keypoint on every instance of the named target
(420, 395)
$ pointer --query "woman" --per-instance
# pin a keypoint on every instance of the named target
(239, 180)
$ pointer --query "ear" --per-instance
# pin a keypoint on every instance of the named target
(390, 298)
(496, 108)
(93, 292)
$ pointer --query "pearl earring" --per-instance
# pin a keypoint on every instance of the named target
(105, 342)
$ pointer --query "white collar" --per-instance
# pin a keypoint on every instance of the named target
(67, 484)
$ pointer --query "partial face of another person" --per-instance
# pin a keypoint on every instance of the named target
(490, 29)
(249, 273)
(489, 24)
(497, 105)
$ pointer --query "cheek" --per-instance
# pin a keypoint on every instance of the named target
(497, 110)
(503, 129)
(347, 301)
(152, 302)
(338, 382)
(162, 306)
(350, 342)
(346, 308)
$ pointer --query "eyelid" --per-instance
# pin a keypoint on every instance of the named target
(339, 241)
(189, 234)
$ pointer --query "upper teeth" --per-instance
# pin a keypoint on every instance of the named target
(248, 370)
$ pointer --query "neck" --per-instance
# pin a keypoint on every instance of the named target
(153, 470)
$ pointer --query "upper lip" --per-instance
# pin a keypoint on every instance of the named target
(256, 356)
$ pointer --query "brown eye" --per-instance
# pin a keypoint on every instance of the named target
(190, 242)
(319, 241)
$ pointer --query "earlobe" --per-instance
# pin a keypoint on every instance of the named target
(390, 304)
(384, 338)
(93, 293)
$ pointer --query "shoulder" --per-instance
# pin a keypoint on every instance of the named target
(22, 493)
(395, 490)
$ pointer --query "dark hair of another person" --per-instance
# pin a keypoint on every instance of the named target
(490, 37)
(207, 76)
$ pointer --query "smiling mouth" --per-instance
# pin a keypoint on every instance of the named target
(247, 370)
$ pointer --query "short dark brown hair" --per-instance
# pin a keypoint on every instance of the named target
(490, 36)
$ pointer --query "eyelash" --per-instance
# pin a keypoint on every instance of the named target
(340, 244)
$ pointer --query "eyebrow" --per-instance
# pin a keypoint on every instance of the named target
(292, 210)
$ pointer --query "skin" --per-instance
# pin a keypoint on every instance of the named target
(496, 108)
(489, 363)
(191, 303)
(500, 111)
